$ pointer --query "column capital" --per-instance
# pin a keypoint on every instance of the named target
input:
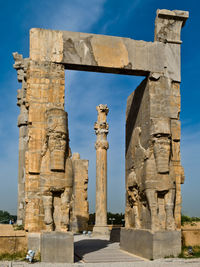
(102, 108)
(168, 25)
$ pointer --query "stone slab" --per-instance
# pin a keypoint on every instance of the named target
(93, 52)
(101, 230)
(149, 244)
(158, 263)
(115, 234)
(100, 250)
(57, 247)
(34, 241)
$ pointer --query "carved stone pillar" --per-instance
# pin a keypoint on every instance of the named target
(101, 130)
(48, 211)
(80, 195)
(21, 65)
(153, 165)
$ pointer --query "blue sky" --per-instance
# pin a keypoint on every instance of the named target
(84, 91)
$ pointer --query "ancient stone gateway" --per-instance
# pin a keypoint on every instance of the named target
(48, 196)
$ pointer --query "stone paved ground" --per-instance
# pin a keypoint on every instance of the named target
(99, 252)
(98, 249)
(156, 263)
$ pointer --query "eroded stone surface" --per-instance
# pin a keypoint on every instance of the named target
(21, 66)
(46, 186)
(153, 169)
(101, 145)
(91, 52)
(80, 215)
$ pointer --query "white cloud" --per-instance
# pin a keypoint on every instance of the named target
(76, 15)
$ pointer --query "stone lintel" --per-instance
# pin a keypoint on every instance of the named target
(108, 54)
(100, 53)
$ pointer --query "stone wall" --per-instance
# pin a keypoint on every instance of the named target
(21, 66)
(12, 241)
(153, 169)
(45, 90)
(191, 234)
(80, 196)
(45, 158)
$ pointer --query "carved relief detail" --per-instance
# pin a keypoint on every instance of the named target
(21, 66)
(56, 138)
(150, 181)
(101, 127)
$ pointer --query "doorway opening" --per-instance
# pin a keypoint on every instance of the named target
(85, 91)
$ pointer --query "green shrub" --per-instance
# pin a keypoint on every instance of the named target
(14, 256)
(187, 219)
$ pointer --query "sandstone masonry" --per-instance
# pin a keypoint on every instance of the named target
(52, 183)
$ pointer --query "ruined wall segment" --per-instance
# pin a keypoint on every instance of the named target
(21, 66)
(153, 165)
(45, 90)
(45, 167)
(80, 210)
(168, 27)
(153, 169)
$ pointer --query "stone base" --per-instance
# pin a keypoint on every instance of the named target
(57, 247)
(34, 242)
(115, 234)
(101, 230)
(149, 244)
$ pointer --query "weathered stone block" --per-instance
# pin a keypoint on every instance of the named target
(37, 112)
(80, 204)
(149, 244)
(176, 129)
(34, 242)
(57, 247)
(34, 162)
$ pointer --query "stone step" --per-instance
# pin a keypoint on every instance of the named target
(93, 250)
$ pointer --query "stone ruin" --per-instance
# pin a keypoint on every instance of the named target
(101, 146)
(53, 183)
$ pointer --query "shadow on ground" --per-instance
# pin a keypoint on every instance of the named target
(87, 246)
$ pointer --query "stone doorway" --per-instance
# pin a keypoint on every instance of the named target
(153, 167)
(113, 90)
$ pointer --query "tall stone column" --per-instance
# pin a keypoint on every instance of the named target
(101, 130)
(21, 65)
